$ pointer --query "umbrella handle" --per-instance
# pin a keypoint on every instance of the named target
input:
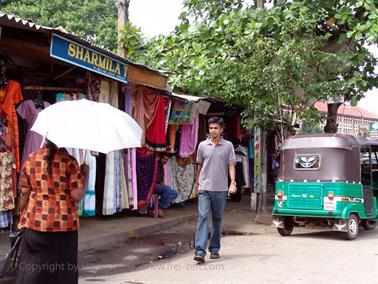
(85, 156)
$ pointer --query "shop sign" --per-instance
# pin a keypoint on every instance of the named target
(87, 58)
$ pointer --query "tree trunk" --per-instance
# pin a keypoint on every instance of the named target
(123, 18)
(331, 126)
(259, 3)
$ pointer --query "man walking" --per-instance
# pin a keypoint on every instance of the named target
(215, 160)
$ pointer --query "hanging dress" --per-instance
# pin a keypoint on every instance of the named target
(29, 112)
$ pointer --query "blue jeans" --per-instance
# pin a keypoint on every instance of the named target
(216, 202)
(167, 195)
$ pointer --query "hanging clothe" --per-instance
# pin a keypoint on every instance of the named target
(155, 133)
(147, 168)
(182, 180)
(149, 113)
(182, 112)
(12, 97)
(168, 173)
(7, 166)
(109, 201)
(89, 200)
(172, 131)
(28, 111)
(115, 191)
(167, 111)
(129, 159)
(93, 86)
(245, 164)
(189, 138)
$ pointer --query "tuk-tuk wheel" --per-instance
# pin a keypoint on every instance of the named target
(369, 224)
(288, 227)
(352, 227)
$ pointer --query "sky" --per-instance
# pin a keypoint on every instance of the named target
(156, 17)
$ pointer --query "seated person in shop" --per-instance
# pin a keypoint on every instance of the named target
(166, 193)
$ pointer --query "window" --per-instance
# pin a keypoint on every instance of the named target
(307, 161)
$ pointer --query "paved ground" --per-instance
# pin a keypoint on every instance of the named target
(165, 243)
(254, 253)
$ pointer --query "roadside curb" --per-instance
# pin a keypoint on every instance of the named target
(106, 241)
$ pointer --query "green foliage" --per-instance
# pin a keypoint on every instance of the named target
(95, 21)
(277, 62)
(310, 127)
(132, 41)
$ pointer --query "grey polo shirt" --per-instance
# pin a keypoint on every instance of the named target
(215, 161)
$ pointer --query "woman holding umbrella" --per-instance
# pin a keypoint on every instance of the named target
(52, 184)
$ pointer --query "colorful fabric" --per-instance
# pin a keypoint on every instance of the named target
(118, 181)
(134, 178)
(173, 128)
(129, 159)
(167, 111)
(51, 207)
(5, 219)
(109, 200)
(93, 86)
(147, 105)
(168, 173)
(29, 112)
(155, 133)
(12, 97)
(7, 166)
(125, 192)
(146, 165)
(182, 180)
(189, 138)
(89, 200)
(182, 112)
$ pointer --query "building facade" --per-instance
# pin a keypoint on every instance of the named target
(351, 120)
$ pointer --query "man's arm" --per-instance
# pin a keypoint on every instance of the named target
(231, 172)
(196, 182)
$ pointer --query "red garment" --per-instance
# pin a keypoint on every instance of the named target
(12, 97)
(155, 133)
(149, 113)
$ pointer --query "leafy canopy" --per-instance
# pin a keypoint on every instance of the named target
(95, 21)
(277, 62)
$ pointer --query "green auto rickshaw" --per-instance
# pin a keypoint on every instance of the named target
(328, 178)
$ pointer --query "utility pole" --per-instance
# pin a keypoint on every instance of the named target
(262, 167)
(123, 18)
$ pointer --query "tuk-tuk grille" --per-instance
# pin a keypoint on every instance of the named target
(305, 197)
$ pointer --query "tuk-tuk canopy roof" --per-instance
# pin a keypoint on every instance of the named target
(326, 140)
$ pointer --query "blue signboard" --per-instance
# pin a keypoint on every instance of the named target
(79, 55)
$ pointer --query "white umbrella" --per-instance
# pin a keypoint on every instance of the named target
(88, 125)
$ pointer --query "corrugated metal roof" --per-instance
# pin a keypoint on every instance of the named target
(17, 22)
(188, 97)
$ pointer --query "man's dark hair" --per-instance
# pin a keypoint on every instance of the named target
(216, 119)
